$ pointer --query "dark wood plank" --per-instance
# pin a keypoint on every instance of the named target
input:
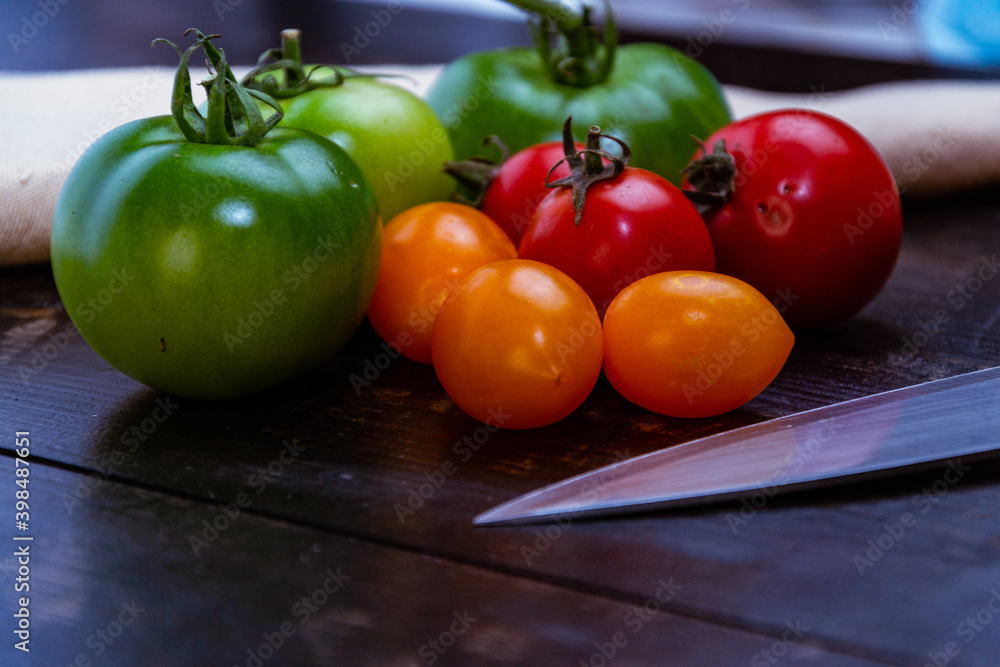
(119, 581)
(396, 464)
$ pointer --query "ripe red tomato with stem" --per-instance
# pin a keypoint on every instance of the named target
(801, 206)
(510, 191)
(607, 225)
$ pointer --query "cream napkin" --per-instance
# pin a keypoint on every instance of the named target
(937, 136)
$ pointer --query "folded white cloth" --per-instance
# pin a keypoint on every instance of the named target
(936, 136)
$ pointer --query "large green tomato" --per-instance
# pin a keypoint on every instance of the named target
(394, 136)
(215, 271)
(651, 96)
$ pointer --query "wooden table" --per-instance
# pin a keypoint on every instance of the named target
(320, 525)
(329, 523)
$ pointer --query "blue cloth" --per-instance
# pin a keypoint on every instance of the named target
(963, 33)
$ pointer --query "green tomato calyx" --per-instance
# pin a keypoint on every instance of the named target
(477, 172)
(233, 117)
(587, 166)
(292, 77)
(569, 44)
(712, 176)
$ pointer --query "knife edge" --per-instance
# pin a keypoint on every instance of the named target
(546, 503)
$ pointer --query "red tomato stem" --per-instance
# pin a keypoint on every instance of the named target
(587, 166)
(712, 175)
(477, 173)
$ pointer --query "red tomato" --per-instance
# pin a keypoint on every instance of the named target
(520, 346)
(518, 186)
(693, 343)
(813, 220)
(426, 251)
(633, 225)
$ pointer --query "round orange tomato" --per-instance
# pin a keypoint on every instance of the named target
(426, 251)
(693, 343)
(520, 346)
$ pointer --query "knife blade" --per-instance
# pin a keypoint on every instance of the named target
(902, 430)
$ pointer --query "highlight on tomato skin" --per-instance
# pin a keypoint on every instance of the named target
(805, 209)
(426, 251)
(521, 345)
(693, 343)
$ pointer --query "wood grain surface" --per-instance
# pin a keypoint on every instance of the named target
(338, 514)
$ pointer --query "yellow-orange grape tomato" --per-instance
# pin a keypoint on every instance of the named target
(426, 251)
(520, 346)
(693, 343)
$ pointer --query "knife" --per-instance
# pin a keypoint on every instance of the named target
(903, 430)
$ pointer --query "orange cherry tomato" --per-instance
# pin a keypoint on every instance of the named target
(693, 343)
(520, 346)
(426, 251)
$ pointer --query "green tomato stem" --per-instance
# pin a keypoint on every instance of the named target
(568, 43)
(233, 117)
(292, 78)
(567, 15)
(291, 50)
